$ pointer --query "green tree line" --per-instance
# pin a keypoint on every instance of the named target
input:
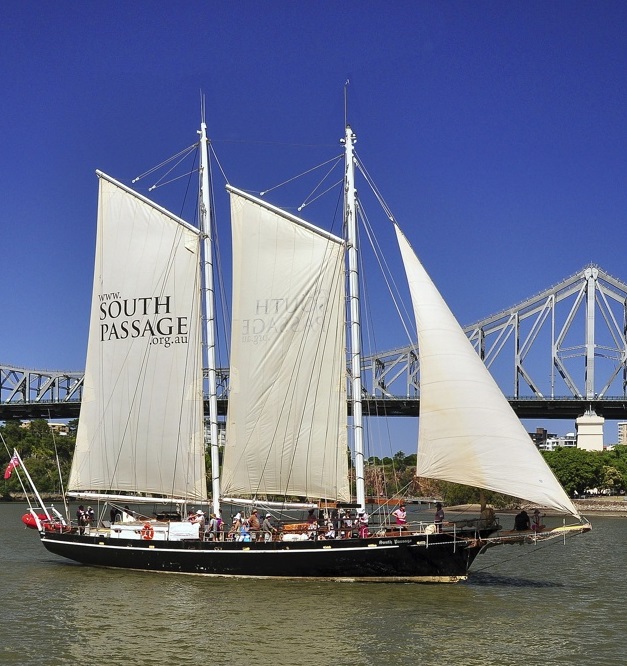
(576, 469)
(40, 448)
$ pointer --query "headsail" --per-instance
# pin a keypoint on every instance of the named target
(141, 421)
(286, 425)
(468, 433)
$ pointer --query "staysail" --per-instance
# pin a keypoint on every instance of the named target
(286, 424)
(141, 422)
(468, 432)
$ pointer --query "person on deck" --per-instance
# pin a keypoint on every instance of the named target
(336, 521)
(312, 524)
(522, 522)
(401, 515)
(213, 527)
(488, 517)
(201, 520)
(439, 517)
(81, 519)
(254, 524)
(244, 531)
(90, 517)
(536, 524)
(267, 528)
(234, 531)
(362, 522)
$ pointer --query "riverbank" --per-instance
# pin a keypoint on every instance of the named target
(600, 506)
(607, 506)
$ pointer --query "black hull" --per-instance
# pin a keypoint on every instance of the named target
(412, 558)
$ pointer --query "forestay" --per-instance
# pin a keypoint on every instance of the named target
(140, 427)
(468, 433)
(286, 424)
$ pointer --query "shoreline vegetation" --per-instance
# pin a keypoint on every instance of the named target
(595, 506)
(598, 477)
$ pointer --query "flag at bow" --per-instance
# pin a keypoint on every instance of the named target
(13, 463)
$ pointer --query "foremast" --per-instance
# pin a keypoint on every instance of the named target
(350, 212)
(209, 312)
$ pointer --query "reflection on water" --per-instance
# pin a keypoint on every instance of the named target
(483, 578)
(525, 605)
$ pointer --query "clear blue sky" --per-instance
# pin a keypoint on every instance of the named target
(496, 132)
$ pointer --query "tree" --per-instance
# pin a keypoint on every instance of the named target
(575, 469)
(39, 448)
(612, 479)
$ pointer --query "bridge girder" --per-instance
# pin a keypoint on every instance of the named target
(573, 334)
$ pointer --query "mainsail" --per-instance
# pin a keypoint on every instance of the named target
(468, 432)
(141, 423)
(286, 424)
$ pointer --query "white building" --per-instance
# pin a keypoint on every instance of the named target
(562, 441)
(590, 432)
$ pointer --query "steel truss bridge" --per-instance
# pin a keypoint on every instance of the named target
(557, 355)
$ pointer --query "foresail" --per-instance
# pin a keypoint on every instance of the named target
(468, 432)
(141, 420)
(286, 424)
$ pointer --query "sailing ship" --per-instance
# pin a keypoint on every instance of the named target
(141, 428)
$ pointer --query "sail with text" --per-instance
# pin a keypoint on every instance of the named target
(141, 423)
(286, 424)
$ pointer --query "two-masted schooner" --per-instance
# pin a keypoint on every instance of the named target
(141, 430)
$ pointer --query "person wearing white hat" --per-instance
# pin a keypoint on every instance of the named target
(267, 528)
(200, 519)
(362, 522)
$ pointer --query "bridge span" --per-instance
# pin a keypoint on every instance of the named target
(565, 350)
(612, 409)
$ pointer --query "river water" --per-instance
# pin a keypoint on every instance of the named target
(531, 605)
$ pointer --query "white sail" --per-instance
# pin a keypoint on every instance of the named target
(141, 420)
(468, 432)
(286, 424)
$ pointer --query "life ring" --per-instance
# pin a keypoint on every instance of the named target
(147, 532)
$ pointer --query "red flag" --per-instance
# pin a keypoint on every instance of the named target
(13, 463)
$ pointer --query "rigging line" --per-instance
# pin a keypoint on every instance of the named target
(5, 446)
(369, 329)
(56, 455)
(387, 275)
(187, 189)
(304, 173)
(225, 318)
(311, 200)
(310, 197)
(183, 153)
(375, 189)
(162, 183)
(215, 157)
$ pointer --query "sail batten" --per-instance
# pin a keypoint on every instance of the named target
(286, 424)
(141, 422)
(468, 432)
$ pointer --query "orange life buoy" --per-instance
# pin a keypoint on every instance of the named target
(147, 532)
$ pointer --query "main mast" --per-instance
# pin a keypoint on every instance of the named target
(350, 205)
(209, 314)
